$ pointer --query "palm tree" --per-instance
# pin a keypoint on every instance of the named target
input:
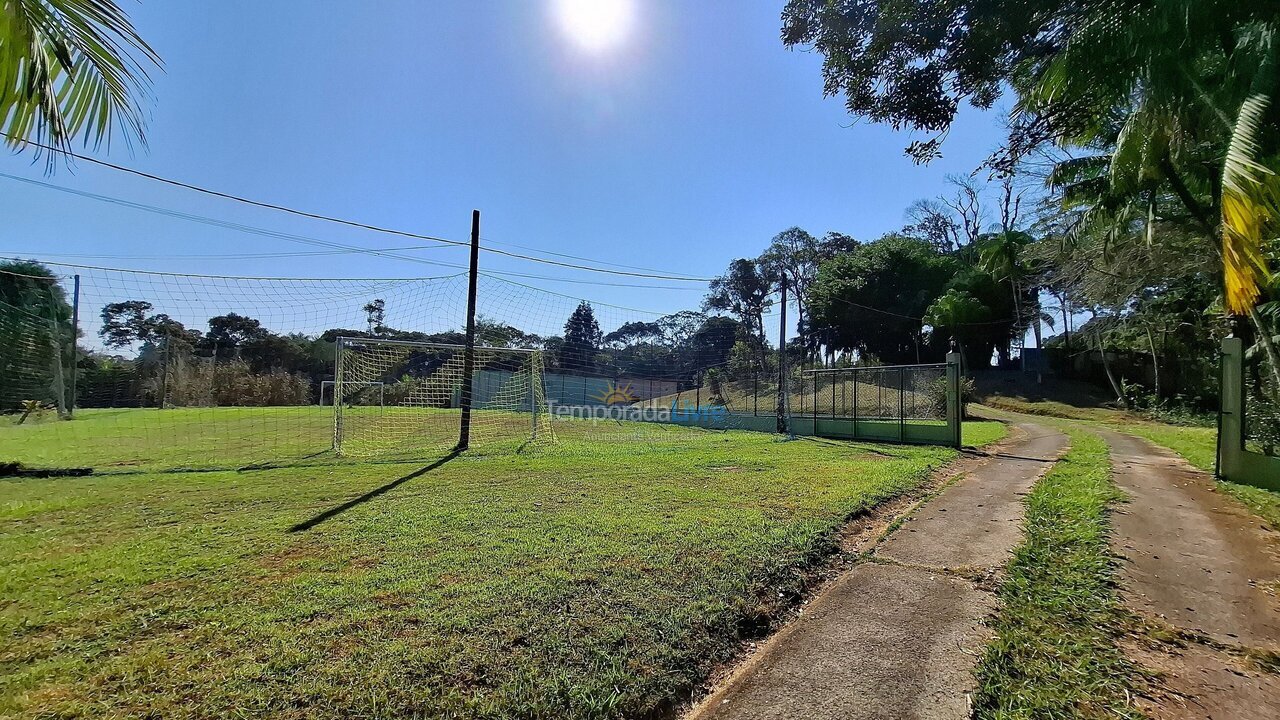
(1000, 256)
(1250, 218)
(1167, 91)
(71, 68)
(953, 312)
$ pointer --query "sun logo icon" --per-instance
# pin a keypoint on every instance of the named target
(614, 394)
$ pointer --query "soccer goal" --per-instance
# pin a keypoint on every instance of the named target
(422, 397)
(375, 393)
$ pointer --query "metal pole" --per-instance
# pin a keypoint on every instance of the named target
(337, 392)
(855, 403)
(75, 343)
(755, 394)
(815, 403)
(782, 362)
(533, 396)
(902, 423)
(469, 353)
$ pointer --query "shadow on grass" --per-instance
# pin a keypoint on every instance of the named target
(974, 452)
(333, 512)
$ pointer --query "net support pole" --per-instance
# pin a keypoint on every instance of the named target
(469, 352)
(782, 363)
(75, 343)
(337, 394)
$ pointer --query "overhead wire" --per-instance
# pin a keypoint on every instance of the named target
(659, 275)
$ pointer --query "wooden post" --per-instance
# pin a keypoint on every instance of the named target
(469, 352)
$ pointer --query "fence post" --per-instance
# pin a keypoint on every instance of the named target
(755, 393)
(469, 352)
(1239, 464)
(855, 403)
(955, 406)
(902, 406)
(815, 403)
(1231, 436)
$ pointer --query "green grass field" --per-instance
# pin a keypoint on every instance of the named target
(603, 576)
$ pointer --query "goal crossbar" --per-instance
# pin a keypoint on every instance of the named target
(446, 346)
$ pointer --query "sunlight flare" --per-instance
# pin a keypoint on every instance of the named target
(595, 25)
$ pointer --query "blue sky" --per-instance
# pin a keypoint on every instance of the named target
(692, 142)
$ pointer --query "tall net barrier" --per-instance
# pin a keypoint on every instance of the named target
(172, 371)
(405, 398)
(129, 370)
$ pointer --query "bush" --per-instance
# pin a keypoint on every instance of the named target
(938, 395)
(208, 384)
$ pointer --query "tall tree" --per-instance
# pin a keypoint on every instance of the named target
(872, 300)
(582, 338)
(745, 291)
(375, 313)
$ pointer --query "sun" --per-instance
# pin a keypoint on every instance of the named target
(595, 25)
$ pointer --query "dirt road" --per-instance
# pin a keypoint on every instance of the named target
(1198, 566)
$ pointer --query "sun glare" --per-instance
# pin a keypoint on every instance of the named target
(595, 25)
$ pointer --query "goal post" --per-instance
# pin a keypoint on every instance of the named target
(421, 387)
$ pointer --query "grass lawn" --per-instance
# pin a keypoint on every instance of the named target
(1055, 652)
(588, 579)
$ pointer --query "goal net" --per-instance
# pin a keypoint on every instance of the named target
(358, 393)
(421, 388)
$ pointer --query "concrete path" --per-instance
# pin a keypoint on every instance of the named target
(1198, 561)
(898, 636)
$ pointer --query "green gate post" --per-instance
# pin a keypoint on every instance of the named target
(955, 408)
(1236, 463)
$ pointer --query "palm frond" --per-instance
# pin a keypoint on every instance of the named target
(71, 68)
(1074, 170)
(1250, 208)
